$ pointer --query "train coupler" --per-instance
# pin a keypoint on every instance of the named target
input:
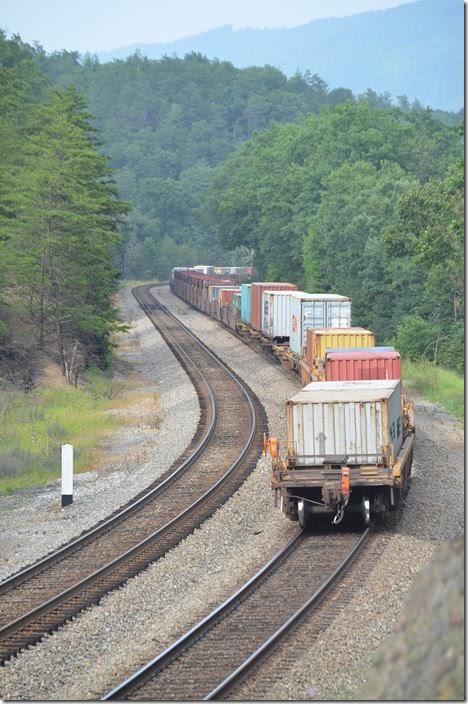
(336, 495)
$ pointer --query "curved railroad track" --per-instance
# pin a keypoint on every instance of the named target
(215, 656)
(225, 449)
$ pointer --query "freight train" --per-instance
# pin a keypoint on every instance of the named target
(350, 430)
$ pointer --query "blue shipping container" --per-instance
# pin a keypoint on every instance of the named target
(246, 302)
(371, 350)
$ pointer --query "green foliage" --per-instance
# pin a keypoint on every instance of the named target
(428, 232)
(353, 195)
(59, 212)
(414, 337)
(362, 201)
(437, 384)
(34, 426)
(166, 125)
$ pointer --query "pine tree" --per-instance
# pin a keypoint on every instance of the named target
(64, 232)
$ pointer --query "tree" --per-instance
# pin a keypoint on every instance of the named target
(63, 233)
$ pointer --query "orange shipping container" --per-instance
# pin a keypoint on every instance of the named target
(319, 339)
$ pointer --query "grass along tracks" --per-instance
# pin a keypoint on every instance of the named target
(40, 598)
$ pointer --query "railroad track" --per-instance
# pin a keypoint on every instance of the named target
(216, 655)
(225, 449)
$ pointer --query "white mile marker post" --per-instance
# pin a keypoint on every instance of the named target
(67, 475)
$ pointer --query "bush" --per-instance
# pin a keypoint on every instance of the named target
(452, 349)
(415, 337)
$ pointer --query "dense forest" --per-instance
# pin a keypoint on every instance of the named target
(217, 164)
(415, 48)
(364, 202)
(165, 125)
(59, 216)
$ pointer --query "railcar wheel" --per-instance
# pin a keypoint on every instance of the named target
(304, 514)
(365, 510)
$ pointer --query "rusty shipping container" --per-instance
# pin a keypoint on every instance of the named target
(225, 295)
(258, 287)
(361, 365)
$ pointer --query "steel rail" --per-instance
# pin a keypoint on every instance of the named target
(151, 669)
(239, 674)
(179, 645)
(64, 596)
(64, 550)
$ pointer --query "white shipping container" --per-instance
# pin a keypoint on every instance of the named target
(360, 419)
(276, 313)
(203, 269)
(316, 310)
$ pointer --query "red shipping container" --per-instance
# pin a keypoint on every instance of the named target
(362, 366)
(256, 317)
(226, 295)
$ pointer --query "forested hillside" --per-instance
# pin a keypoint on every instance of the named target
(165, 125)
(59, 215)
(415, 49)
(364, 202)
(319, 187)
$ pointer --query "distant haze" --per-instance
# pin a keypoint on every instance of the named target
(414, 49)
(103, 25)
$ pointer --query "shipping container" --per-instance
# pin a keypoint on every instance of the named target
(222, 270)
(246, 298)
(359, 419)
(319, 340)
(276, 314)
(368, 350)
(213, 293)
(258, 287)
(236, 302)
(204, 269)
(356, 365)
(316, 310)
(225, 295)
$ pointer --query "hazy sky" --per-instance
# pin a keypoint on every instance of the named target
(101, 25)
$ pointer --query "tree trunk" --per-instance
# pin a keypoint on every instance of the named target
(58, 323)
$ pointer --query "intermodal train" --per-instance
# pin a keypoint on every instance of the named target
(350, 430)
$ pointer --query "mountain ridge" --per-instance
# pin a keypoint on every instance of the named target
(415, 49)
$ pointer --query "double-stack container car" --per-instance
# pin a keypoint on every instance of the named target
(350, 432)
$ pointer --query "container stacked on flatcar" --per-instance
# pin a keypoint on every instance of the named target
(257, 300)
(350, 432)
(348, 365)
(348, 449)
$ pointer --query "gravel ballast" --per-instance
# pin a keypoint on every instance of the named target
(136, 622)
(32, 521)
